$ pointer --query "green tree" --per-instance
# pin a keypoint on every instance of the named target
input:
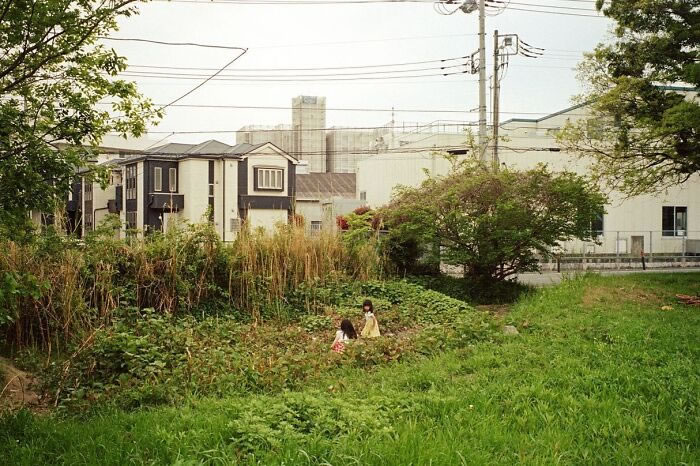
(494, 224)
(53, 73)
(643, 134)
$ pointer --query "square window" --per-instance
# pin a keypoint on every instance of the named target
(674, 220)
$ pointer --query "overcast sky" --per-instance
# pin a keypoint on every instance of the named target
(311, 36)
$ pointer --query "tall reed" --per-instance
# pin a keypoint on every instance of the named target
(54, 288)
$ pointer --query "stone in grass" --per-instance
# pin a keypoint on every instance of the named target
(510, 330)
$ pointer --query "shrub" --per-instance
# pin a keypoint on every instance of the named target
(495, 223)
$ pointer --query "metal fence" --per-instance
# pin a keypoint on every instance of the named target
(628, 250)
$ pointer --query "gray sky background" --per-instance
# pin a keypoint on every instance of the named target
(307, 36)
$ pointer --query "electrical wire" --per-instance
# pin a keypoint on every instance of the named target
(256, 79)
(539, 5)
(552, 12)
(442, 60)
(359, 73)
(213, 76)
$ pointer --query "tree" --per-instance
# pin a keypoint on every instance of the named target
(53, 74)
(643, 134)
(494, 224)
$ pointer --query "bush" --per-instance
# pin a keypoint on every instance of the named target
(495, 223)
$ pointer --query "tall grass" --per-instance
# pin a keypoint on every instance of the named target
(55, 287)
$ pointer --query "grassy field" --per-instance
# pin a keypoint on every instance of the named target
(600, 374)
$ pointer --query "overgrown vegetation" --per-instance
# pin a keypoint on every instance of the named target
(146, 357)
(55, 289)
(493, 224)
(602, 373)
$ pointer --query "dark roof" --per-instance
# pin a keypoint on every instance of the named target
(325, 185)
(213, 148)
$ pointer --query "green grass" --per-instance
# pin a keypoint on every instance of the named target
(599, 375)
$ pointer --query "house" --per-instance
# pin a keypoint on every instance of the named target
(320, 197)
(227, 185)
(666, 223)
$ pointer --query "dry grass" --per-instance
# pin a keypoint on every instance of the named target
(54, 288)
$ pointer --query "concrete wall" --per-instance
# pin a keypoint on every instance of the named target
(380, 174)
(194, 175)
(266, 218)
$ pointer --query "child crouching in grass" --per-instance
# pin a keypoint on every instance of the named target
(343, 336)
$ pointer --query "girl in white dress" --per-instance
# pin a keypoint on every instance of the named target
(343, 336)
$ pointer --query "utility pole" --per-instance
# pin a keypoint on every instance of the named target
(496, 91)
(482, 80)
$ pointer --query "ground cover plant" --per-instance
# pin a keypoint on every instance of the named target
(604, 371)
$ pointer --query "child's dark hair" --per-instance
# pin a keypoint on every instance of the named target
(348, 329)
(368, 303)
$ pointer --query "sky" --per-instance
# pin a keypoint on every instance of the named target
(337, 35)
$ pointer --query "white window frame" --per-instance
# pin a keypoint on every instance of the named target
(315, 226)
(270, 178)
(157, 179)
(172, 180)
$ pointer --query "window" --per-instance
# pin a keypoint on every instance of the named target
(131, 220)
(270, 178)
(211, 190)
(235, 224)
(88, 222)
(363, 195)
(88, 190)
(315, 226)
(172, 180)
(674, 220)
(597, 226)
(131, 181)
(157, 179)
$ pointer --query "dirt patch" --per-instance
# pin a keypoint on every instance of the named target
(17, 388)
(497, 310)
(595, 296)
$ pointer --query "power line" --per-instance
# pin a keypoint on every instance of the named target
(557, 7)
(550, 12)
(358, 128)
(175, 44)
(213, 76)
(353, 109)
(172, 74)
(442, 60)
(258, 79)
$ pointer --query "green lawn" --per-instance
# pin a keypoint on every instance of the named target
(599, 375)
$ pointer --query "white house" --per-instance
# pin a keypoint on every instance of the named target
(231, 184)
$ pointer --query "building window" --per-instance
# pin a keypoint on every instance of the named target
(131, 181)
(597, 226)
(172, 180)
(88, 222)
(363, 195)
(270, 178)
(315, 226)
(674, 220)
(131, 220)
(88, 190)
(211, 190)
(157, 179)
